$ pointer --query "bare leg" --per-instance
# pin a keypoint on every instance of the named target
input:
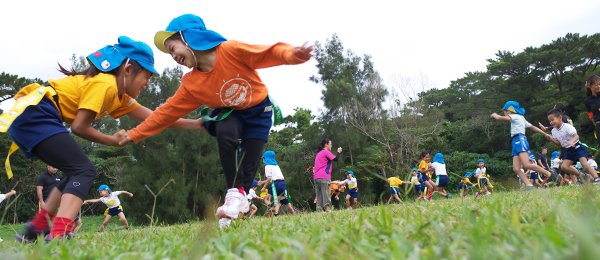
(348, 201)
(106, 220)
(291, 208)
(77, 226)
(397, 198)
(122, 216)
(69, 206)
(589, 168)
(517, 167)
(253, 210)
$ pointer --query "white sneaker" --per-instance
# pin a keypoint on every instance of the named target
(488, 193)
(235, 203)
(224, 223)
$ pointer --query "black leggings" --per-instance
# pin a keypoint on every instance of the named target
(229, 132)
(62, 152)
(598, 133)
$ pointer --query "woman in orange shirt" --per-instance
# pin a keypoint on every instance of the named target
(223, 78)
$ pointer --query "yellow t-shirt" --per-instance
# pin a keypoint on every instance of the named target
(465, 180)
(395, 182)
(98, 93)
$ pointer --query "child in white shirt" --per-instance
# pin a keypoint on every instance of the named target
(113, 203)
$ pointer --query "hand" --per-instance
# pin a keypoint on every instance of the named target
(339, 149)
(337, 198)
(42, 204)
(130, 195)
(263, 190)
(569, 144)
(493, 115)
(12, 192)
(123, 137)
(84, 202)
(304, 52)
(200, 124)
(549, 137)
(542, 126)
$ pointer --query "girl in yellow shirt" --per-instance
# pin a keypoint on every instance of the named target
(116, 75)
(425, 171)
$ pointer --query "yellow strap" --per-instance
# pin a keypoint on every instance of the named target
(6, 119)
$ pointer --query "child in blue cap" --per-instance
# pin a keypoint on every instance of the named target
(463, 185)
(419, 187)
(520, 147)
(109, 86)
(224, 78)
(275, 176)
(110, 199)
(482, 178)
(352, 189)
(555, 162)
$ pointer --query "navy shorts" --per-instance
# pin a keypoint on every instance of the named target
(394, 190)
(520, 144)
(76, 218)
(255, 122)
(576, 153)
(114, 211)
(534, 176)
(424, 177)
(419, 188)
(36, 124)
(280, 188)
(443, 181)
(483, 182)
(463, 185)
(353, 193)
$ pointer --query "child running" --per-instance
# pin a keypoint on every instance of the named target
(395, 183)
(224, 77)
(555, 165)
(534, 176)
(275, 178)
(424, 174)
(463, 185)
(419, 187)
(336, 189)
(482, 179)
(252, 195)
(440, 170)
(109, 86)
(352, 189)
(566, 136)
(113, 203)
(520, 147)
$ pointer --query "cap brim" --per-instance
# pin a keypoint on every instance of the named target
(160, 38)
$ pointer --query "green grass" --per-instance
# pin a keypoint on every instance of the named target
(556, 223)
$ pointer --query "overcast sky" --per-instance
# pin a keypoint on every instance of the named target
(441, 39)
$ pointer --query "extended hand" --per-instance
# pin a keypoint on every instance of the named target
(493, 115)
(200, 125)
(123, 137)
(339, 149)
(130, 195)
(542, 126)
(549, 137)
(304, 52)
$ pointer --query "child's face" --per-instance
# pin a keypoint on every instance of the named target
(104, 193)
(556, 122)
(134, 86)
(426, 158)
(349, 176)
(506, 112)
(180, 53)
(254, 188)
(481, 164)
(414, 173)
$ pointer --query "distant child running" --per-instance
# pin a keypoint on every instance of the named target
(534, 176)
(555, 165)
(395, 183)
(463, 186)
(352, 189)
(336, 189)
(274, 174)
(113, 203)
(440, 170)
(419, 187)
(224, 77)
(425, 170)
(566, 136)
(252, 195)
(520, 147)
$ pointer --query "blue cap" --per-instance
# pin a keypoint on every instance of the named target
(269, 158)
(105, 187)
(254, 183)
(415, 169)
(194, 31)
(351, 173)
(513, 106)
(480, 160)
(439, 158)
(111, 56)
(468, 175)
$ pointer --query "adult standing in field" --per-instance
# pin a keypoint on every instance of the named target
(322, 172)
(45, 183)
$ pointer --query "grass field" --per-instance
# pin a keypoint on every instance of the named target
(556, 223)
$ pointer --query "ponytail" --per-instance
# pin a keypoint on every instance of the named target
(323, 143)
(92, 71)
(591, 80)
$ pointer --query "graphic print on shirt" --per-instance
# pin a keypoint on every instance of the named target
(111, 202)
(236, 92)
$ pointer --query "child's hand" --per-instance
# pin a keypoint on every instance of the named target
(123, 137)
(542, 126)
(263, 190)
(493, 115)
(304, 52)
(130, 195)
(12, 192)
(200, 124)
(84, 202)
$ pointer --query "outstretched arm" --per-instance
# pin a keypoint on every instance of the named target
(126, 192)
(499, 117)
(142, 112)
(90, 201)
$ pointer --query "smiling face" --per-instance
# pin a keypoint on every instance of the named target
(595, 87)
(180, 53)
(426, 157)
(480, 164)
(555, 121)
(104, 193)
(137, 83)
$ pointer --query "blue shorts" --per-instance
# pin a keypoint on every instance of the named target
(394, 190)
(462, 185)
(576, 153)
(419, 188)
(353, 193)
(254, 121)
(35, 125)
(424, 177)
(534, 176)
(76, 218)
(443, 181)
(114, 211)
(519, 145)
(483, 182)
(280, 188)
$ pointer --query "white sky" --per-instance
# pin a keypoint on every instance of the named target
(442, 39)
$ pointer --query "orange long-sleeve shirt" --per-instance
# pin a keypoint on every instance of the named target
(233, 82)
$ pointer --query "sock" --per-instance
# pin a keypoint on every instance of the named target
(61, 227)
(40, 221)
(597, 179)
(241, 190)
